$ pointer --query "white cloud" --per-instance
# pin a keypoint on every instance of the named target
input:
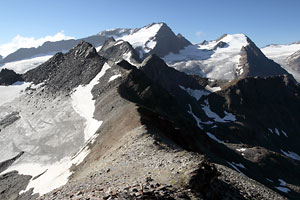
(27, 42)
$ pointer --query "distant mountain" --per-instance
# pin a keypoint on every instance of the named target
(293, 61)
(229, 57)
(155, 38)
(254, 63)
(282, 54)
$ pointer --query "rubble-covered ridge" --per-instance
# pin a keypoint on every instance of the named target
(9, 77)
(67, 71)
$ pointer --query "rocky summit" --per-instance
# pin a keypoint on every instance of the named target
(150, 116)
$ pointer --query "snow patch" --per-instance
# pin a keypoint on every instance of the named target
(282, 182)
(233, 165)
(214, 138)
(277, 132)
(212, 89)
(241, 149)
(197, 94)
(283, 189)
(284, 133)
(84, 105)
(291, 155)
(195, 117)
(98, 48)
(114, 77)
(228, 116)
(9, 93)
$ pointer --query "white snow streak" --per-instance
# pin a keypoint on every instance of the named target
(215, 116)
(282, 187)
(241, 149)
(197, 94)
(84, 104)
(233, 165)
(214, 138)
(195, 117)
(277, 132)
(114, 77)
(291, 155)
(212, 89)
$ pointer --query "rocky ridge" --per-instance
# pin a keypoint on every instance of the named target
(159, 140)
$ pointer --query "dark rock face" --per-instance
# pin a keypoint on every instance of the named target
(255, 63)
(259, 104)
(64, 72)
(116, 50)
(168, 42)
(9, 119)
(9, 77)
(5, 164)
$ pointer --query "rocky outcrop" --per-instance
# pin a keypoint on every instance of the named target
(5, 164)
(255, 63)
(220, 44)
(12, 183)
(9, 77)
(9, 119)
(119, 50)
(64, 72)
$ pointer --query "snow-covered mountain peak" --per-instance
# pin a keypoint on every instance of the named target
(144, 38)
(232, 41)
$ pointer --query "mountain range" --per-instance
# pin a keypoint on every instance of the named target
(145, 114)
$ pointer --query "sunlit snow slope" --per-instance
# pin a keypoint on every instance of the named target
(217, 59)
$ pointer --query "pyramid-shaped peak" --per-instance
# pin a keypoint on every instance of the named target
(84, 49)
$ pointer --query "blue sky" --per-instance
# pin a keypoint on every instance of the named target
(264, 21)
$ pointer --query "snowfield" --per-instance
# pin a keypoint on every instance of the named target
(207, 61)
(23, 66)
(53, 133)
(9, 93)
(279, 52)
